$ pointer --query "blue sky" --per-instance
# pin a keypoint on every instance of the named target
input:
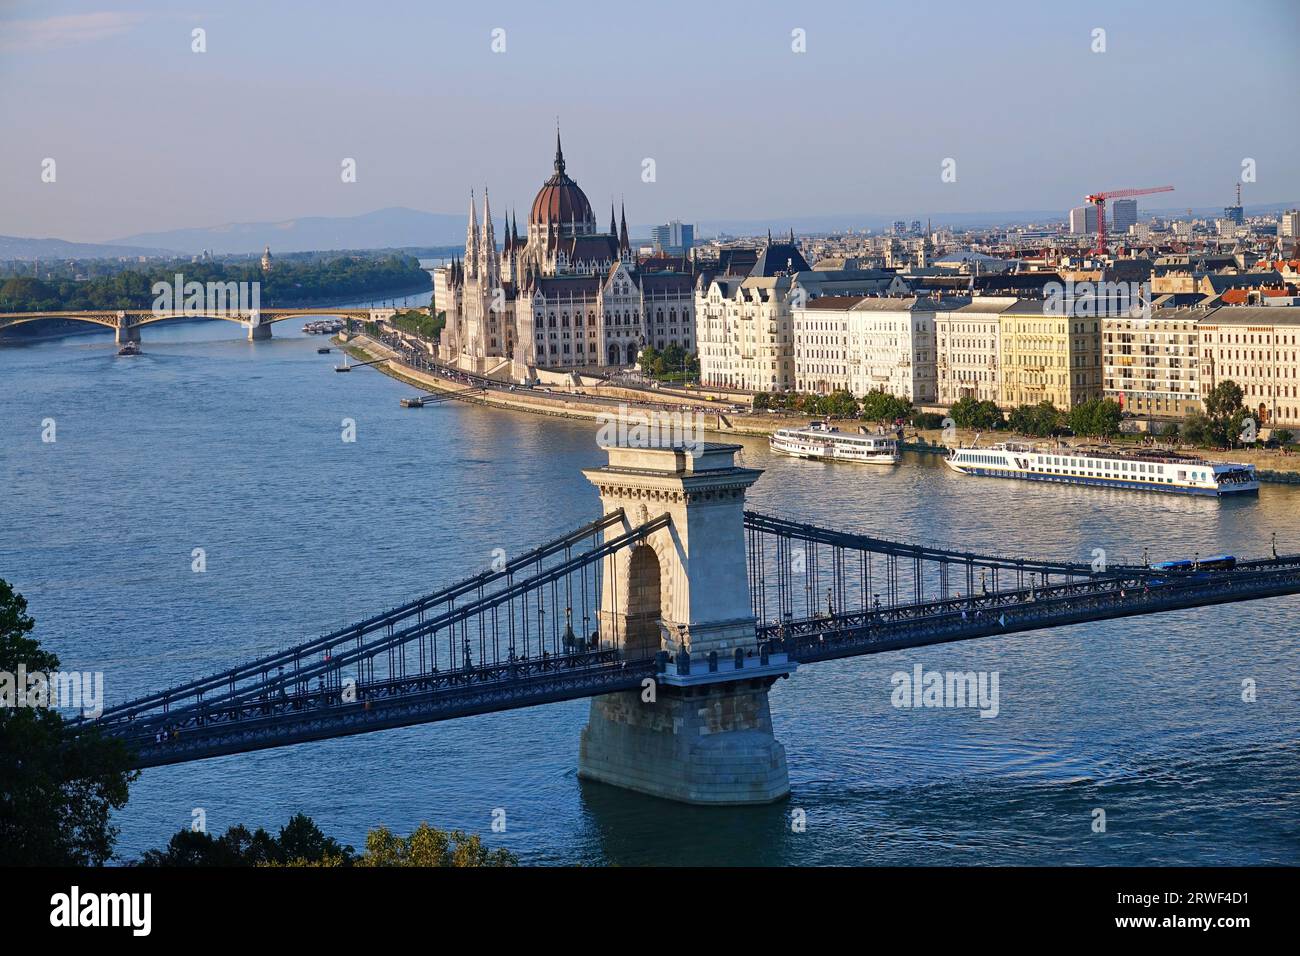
(149, 135)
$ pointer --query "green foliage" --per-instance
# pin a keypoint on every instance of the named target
(429, 846)
(673, 364)
(419, 323)
(1199, 429)
(927, 420)
(1099, 417)
(1283, 436)
(1225, 420)
(56, 793)
(971, 413)
(762, 401)
(301, 843)
(1041, 420)
(1224, 400)
(882, 407)
(840, 404)
(289, 283)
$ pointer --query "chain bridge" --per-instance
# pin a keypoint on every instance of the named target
(675, 612)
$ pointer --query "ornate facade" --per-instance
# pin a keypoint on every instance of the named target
(561, 295)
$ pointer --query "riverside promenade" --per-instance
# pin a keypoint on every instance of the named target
(599, 402)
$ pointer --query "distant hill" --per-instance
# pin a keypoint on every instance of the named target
(15, 247)
(401, 228)
(385, 228)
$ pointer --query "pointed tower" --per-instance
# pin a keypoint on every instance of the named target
(489, 268)
(471, 236)
(624, 246)
(613, 226)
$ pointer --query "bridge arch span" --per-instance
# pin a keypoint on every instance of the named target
(106, 319)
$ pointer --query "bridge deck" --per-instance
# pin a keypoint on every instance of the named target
(283, 713)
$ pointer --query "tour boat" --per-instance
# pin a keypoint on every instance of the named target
(130, 348)
(820, 441)
(1138, 470)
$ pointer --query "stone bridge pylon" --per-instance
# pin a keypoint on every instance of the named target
(701, 731)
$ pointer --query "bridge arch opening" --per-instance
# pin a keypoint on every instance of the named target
(644, 603)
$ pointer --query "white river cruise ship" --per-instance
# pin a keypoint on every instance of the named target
(1138, 470)
(822, 442)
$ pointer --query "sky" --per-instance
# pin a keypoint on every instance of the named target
(147, 134)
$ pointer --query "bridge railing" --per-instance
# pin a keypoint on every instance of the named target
(521, 620)
(827, 636)
(261, 669)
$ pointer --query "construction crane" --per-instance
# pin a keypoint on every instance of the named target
(1099, 200)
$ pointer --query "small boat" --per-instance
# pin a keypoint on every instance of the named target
(821, 441)
(345, 367)
(416, 402)
(322, 351)
(130, 348)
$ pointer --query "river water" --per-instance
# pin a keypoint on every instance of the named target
(209, 441)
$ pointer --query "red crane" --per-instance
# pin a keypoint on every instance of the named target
(1099, 200)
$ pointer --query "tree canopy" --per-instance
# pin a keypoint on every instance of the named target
(301, 843)
(56, 793)
(289, 283)
(1042, 420)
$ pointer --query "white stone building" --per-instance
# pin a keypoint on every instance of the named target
(866, 344)
(744, 321)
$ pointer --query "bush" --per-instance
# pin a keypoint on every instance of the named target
(927, 420)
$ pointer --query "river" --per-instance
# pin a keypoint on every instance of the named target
(209, 441)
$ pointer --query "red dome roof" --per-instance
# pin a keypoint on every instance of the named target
(560, 201)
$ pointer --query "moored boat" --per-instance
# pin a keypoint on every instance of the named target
(821, 441)
(1140, 470)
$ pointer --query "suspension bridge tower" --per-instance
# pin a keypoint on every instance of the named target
(701, 730)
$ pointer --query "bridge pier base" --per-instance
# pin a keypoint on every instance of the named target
(259, 333)
(709, 745)
(131, 334)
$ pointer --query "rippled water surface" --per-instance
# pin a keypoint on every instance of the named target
(210, 441)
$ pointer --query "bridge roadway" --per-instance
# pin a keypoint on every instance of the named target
(277, 717)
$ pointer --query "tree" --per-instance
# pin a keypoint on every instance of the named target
(429, 846)
(56, 791)
(1097, 416)
(301, 843)
(1041, 420)
(840, 404)
(971, 413)
(1198, 429)
(1224, 400)
(883, 407)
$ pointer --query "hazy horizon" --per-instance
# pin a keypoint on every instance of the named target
(149, 136)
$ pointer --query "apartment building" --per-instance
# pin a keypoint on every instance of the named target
(1256, 347)
(1051, 351)
(1151, 366)
(864, 344)
(744, 324)
(968, 345)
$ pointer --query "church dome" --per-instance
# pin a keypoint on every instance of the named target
(560, 201)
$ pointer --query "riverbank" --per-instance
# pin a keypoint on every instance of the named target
(599, 402)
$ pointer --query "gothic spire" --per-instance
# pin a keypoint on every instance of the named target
(623, 244)
(613, 229)
(488, 267)
(559, 152)
(471, 234)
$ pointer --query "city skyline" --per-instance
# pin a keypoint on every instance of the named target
(739, 126)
